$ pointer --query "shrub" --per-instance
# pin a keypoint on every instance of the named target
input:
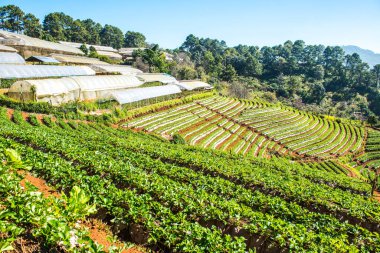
(178, 139)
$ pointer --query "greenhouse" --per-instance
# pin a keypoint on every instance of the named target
(157, 77)
(98, 87)
(134, 95)
(194, 85)
(53, 91)
(63, 90)
(77, 60)
(122, 69)
(7, 49)
(28, 46)
(11, 58)
(30, 71)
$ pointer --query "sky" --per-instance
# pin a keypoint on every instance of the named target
(250, 22)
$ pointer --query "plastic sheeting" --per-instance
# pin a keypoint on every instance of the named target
(74, 59)
(134, 95)
(53, 91)
(193, 85)
(111, 55)
(9, 39)
(30, 71)
(7, 49)
(43, 59)
(122, 69)
(63, 90)
(159, 77)
(97, 47)
(99, 87)
(11, 58)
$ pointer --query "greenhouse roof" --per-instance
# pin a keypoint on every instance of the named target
(192, 85)
(11, 58)
(157, 77)
(8, 71)
(75, 59)
(7, 49)
(97, 47)
(138, 94)
(14, 39)
(110, 82)
(43, 59)
(122, 69)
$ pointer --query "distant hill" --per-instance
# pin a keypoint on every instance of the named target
(366, 55)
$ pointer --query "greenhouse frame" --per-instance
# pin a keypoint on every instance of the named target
(193, 85)
(138, 94)
(67, 89)
(9, 71)
(11, 58)
(157, 77)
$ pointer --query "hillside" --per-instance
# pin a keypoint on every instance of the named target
(366, 55)
(175, 197)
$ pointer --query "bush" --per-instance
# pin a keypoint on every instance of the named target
(178, 139)
(17, 117)
(33, 120)
(48, 121)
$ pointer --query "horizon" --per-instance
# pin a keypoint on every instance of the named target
(254, 23)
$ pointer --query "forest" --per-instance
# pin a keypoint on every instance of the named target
(318, 78)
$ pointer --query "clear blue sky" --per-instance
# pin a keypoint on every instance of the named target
(251, 22)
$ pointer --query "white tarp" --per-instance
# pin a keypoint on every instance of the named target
(7, 49)
(63, 90)
(134, 95)
(11, 58)
(122, 69)
(30, 71)
(192, 85)
(157, 77)
(14, 39)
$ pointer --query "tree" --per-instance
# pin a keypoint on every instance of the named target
(376, 71)
(155, 59)
(32, 26)
(77, 32)
(84, 49)
(111, 36)
(93, 31)
(134, 39)
(229, 73)
(58, 25)
(11, 18)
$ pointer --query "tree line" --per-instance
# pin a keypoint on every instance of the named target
(299, 74)
(293, 71)
(58, 26)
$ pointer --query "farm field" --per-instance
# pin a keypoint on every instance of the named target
(254, 128)
(183, 198)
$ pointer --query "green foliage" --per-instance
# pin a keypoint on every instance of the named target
(178, 139)
(134, 39)
(33, 120)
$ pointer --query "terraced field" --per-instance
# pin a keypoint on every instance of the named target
(254, 129)
(370, 158)
(180, 198)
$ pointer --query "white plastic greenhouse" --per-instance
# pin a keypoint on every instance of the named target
(157, 77)
(63, 90)
(134, 95)
(99, 87)
(122, 69)
(53, 91)
(22, 41)
(30, 71)
(11, 58)
(193, 85)
(7, 49)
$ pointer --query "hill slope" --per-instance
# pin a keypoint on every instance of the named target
(366, 55)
